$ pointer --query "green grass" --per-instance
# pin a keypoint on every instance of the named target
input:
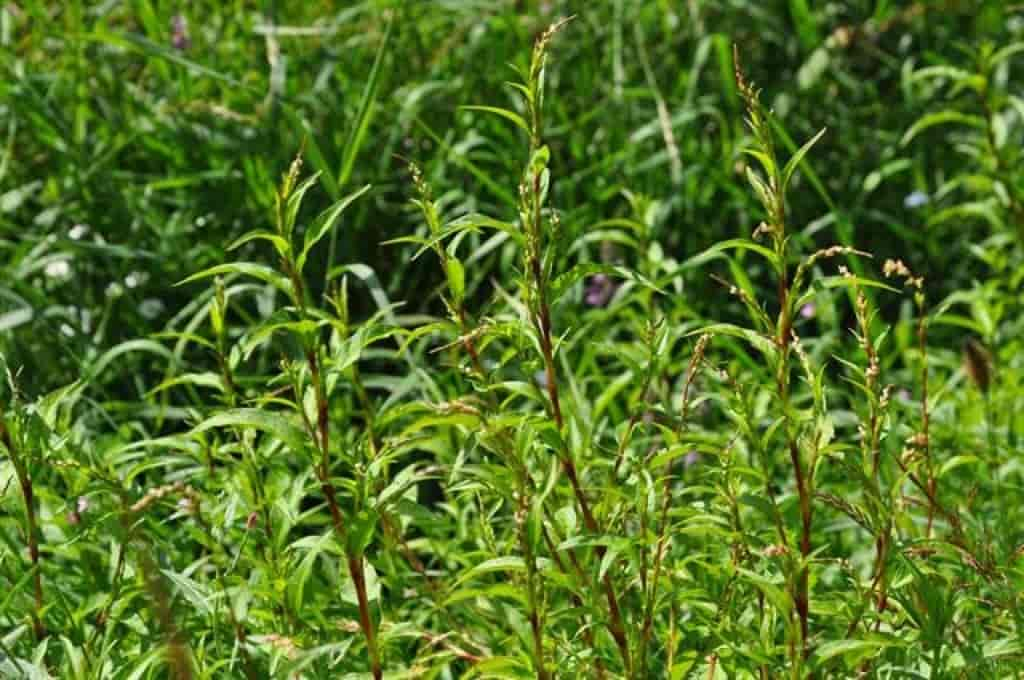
(439, 340)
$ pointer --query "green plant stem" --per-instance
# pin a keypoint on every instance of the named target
(588, 635)
(801, 596)
(178, 654)
(241, 636)
(533, 613)
(922, 346)
(666, 501)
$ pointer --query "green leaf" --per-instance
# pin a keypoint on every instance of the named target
(367, 105)
(274, 424)
(281, 244)
(740, 244)
(195, 593)
(796, 158)
(775, 594)
(957, 75)
(323, 224)
(563, 282)
(948, 117)
(348, 592)
(360, 532)
(1004, 53)
(456, 279)
(504, 113)
(294, 202)
(806, 26)
(15, 318)
(859, 649)
(258, 271)
(96, 368)
(973, 210)
(511, 563)
(760, 342)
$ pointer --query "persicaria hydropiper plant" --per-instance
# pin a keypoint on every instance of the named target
(567, 474)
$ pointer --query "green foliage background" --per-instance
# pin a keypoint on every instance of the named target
(136, 152)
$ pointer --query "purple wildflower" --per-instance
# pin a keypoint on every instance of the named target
(808, 311)
(179, 33)
(600, 290)
(692, 458)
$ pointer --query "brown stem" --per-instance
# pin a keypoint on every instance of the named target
(31, 527)
(468, 343)
(358, 573)
(33, 551)
(355, 562)
(543, 323)
(802, 595)
(802, 598)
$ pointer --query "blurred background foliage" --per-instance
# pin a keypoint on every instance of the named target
(140, 138)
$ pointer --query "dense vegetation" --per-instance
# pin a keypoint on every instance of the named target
(464, 339)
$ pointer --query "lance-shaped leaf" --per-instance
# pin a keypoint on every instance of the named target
(273, 424)
(258, 271)
(323, 223)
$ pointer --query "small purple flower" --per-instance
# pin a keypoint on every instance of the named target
(809, 310)
(179, 33)
(692, 458)
(915, 199)
(600, 290)
(904, 394)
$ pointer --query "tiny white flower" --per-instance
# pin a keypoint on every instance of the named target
(151, 308)
(135, 279)
(115, 290)
(58, 269)
(78, 231)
